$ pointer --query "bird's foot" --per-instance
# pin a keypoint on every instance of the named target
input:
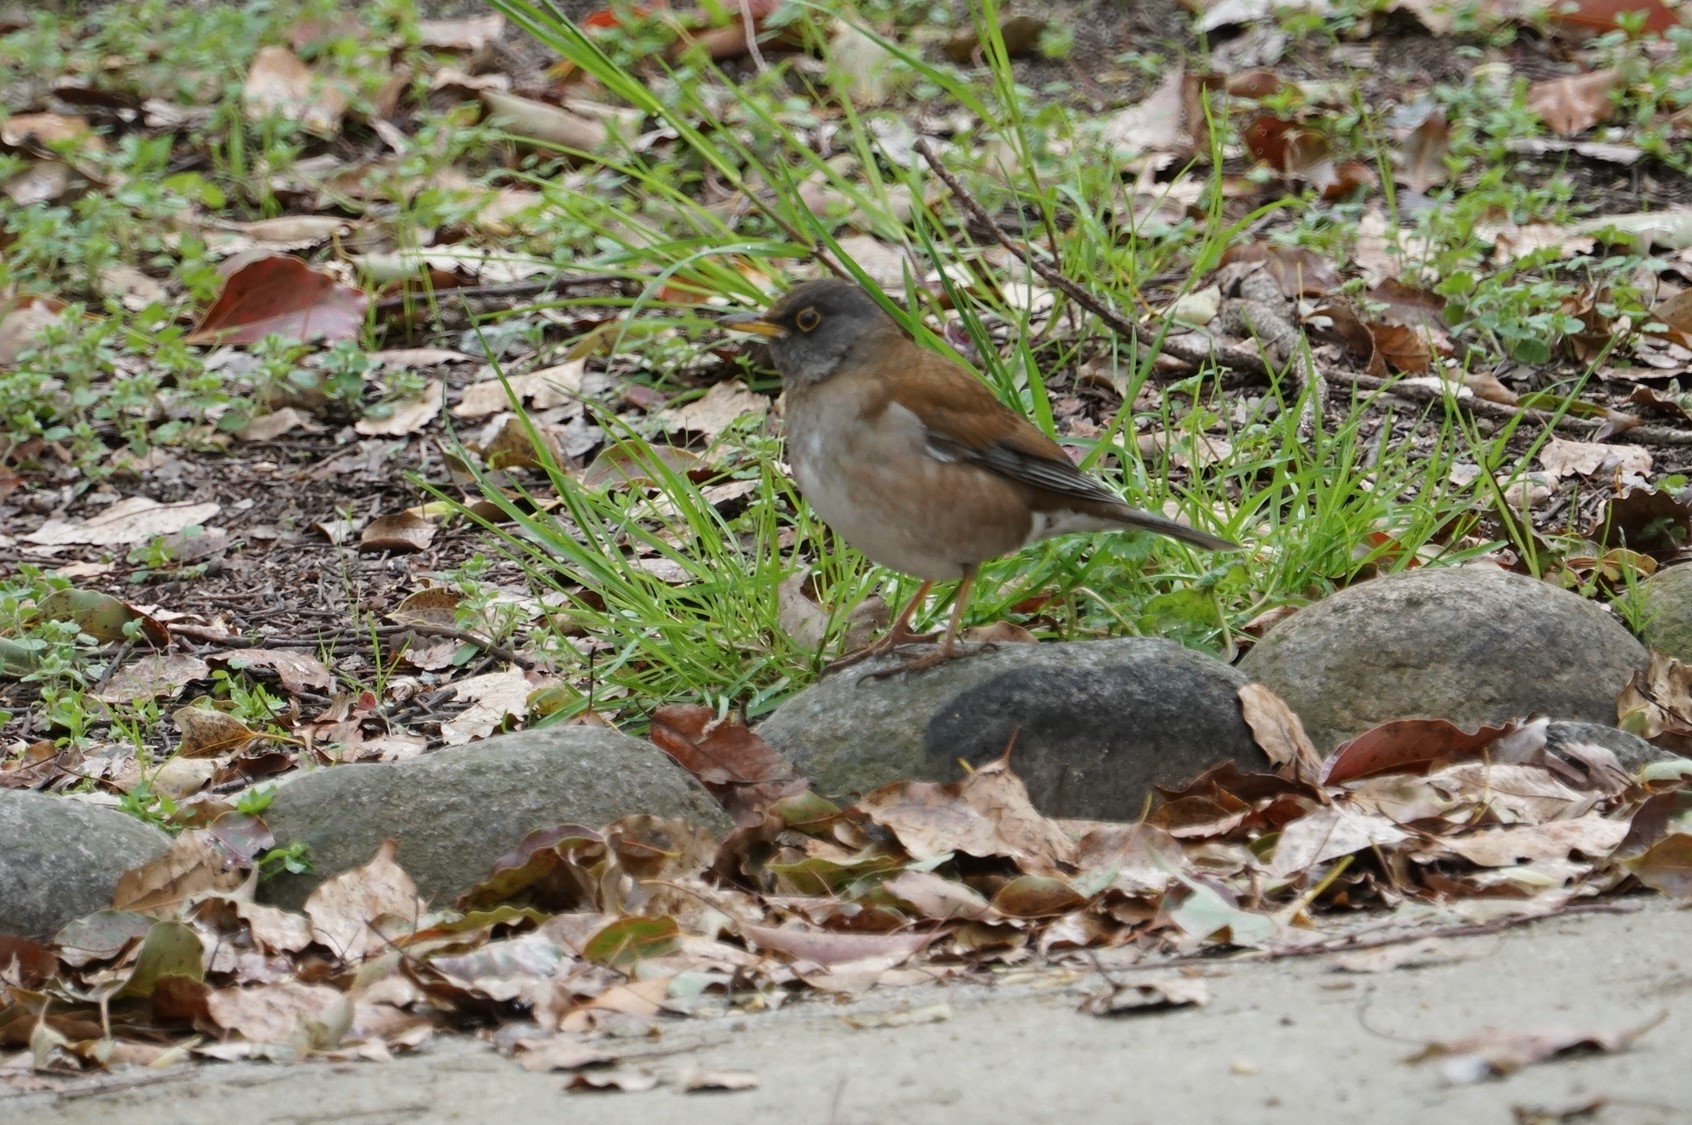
(883, 645)
(928, 660)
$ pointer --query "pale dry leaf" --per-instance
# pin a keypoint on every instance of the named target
(549, 124)
(22, 322)
(1156, 126)
(404, 531)
(886, 264)
(1592, 835)
(38, 130)
(1147, 995)
(721, 406)
(1330, 833)
(194, 864)
(692, 1081)
(269, 427)
(629, 1080)
(493, 699)
(154, 676)
(279, 84)
(133, 289)
(1279, 731)
(470, 34)
(41, 182)
(1495, 1052)
(1562, 457)
(1669, 229)
(207, 733)
(299, 671)
(286, 1011)
(181, 777)
(286, 232)
(560, 1052)
(436, 605)
(540, 390)
(1575, 103)
(130, 521)
(353, 914)
(408, 417)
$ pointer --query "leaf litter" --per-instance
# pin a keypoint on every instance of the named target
(595, 929)
(583, 937)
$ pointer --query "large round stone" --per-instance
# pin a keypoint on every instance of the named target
(1095, 724)
(60, 858)
(456, 811)
(1471, 644)
(1665, 604)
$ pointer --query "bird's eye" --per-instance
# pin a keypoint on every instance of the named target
(807, 319)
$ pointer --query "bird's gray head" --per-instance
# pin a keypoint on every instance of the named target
(815, 326)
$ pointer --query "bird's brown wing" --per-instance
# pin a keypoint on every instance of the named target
(965, 422)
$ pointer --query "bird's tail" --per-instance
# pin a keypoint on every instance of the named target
(1146, 521)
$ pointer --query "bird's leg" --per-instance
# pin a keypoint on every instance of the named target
(898, 635)
(948, 647)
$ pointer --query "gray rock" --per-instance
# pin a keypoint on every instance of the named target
(60, 858)
(1470, 644)
(456, 811)
(1665, 601)
(1095, 723)
(1633, 752)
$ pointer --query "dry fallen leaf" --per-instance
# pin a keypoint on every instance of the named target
(1136, 997)
(1493, 1053)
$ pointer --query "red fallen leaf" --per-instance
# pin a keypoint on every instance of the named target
(606, 17)
(283, 296)
(1256, 84)
(1401, 348)
(1289, 148)
(1601, 14)
(1407, 745)
(742, 771)
(1345, 179)
(25, 961)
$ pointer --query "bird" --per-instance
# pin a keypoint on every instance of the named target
(912, 459)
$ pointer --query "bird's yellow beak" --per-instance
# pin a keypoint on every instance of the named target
(752, 322)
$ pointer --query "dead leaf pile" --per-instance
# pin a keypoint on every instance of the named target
(583, 930)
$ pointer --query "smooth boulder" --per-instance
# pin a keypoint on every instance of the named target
(1094, 724)
(456, 811)
(61, 857)
(1472, 644)
(1665, 611)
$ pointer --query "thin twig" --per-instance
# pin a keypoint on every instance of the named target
(334, 637)
(505, 292)
(751, 27)
(1080, 296)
